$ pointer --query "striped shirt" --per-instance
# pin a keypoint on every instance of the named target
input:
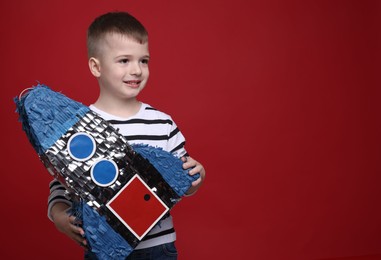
(149, 126)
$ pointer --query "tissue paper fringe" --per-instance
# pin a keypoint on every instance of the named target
(46, 115)
(170, 167)
(103, 240)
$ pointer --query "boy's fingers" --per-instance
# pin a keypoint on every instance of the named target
(76, 229)
(78, 236)
(75, 221)
(187, 162)
(82, 242)
(196, 169)
(196, 182)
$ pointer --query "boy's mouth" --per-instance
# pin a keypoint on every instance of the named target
(132, 83)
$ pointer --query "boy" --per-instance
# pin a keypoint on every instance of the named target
(118, 57)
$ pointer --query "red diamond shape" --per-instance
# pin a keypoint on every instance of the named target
(137, 207)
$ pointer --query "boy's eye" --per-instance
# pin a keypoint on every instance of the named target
(144, 61)
(123, 61)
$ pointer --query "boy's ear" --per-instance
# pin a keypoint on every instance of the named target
(94, 66)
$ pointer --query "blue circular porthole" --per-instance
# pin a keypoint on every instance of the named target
(104, 172)
(81, 146)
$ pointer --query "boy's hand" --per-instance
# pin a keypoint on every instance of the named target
(189, 162)
(67, 224)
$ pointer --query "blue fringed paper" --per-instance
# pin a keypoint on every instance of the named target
(51, 120)
(104, 242)
(46, 115)
(170, 167)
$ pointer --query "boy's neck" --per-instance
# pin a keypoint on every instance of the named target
(125, 108)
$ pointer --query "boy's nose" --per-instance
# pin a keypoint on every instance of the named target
(135, 69)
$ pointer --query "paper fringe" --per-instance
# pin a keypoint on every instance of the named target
(169, 166)
(104, 242)
(46, 115)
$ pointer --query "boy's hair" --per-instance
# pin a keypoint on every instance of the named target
(114, 22)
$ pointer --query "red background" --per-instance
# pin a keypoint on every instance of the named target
(280, 100)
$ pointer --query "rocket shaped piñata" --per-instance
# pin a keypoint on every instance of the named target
(120, 191)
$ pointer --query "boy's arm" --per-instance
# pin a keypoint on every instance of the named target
(189, 162)
(58, 207)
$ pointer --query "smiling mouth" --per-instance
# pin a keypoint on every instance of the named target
(132, 83)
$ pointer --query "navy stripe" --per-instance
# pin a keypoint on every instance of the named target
(56, 198)
(59, 188)
(146, 137)
(162, 233)
(178, 147)
(174, 132)
(54, 183)
(142, 121)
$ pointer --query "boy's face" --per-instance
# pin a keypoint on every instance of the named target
(121, 67)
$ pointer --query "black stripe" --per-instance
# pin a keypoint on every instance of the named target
(162, 233)
(142, 121)
(59, 188)
(146, 137)
(174, 132)
(150, 108)
(178, 147)
(56, 198)
(54, 183)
